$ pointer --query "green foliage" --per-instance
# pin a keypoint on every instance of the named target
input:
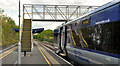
(46, 35)
(9, 36)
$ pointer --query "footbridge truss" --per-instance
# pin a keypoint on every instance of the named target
(59, 13)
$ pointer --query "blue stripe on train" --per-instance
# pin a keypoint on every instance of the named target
(100, 52)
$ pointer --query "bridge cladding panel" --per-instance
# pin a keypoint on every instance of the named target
(26, 39)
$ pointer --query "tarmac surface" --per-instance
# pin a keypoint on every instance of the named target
(40, 55)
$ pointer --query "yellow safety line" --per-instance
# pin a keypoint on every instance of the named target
(43, 55)
(8, 53)
(5, 52)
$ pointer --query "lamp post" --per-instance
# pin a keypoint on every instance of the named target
(19, 43)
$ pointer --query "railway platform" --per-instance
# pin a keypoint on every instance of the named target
(40, 55)
(43, 55)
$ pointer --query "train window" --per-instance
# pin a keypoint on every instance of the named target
(85, 22)
(103, 37)
(76, 38)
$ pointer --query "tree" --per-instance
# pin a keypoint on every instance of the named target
(9, 36)
(46, 35)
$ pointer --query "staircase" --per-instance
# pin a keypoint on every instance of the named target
(26, 38)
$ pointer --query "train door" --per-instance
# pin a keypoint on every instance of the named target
(62, 38)
(56, 37)
(68, 39)
(58, 45)
(72, 41)
(59, 38)
(68, 44)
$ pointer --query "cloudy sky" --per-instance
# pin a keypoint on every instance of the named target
(11, 8)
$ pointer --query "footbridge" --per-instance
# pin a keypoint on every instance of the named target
(38, 12)
(54, 13)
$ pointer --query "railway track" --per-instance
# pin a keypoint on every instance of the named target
(49, 45)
